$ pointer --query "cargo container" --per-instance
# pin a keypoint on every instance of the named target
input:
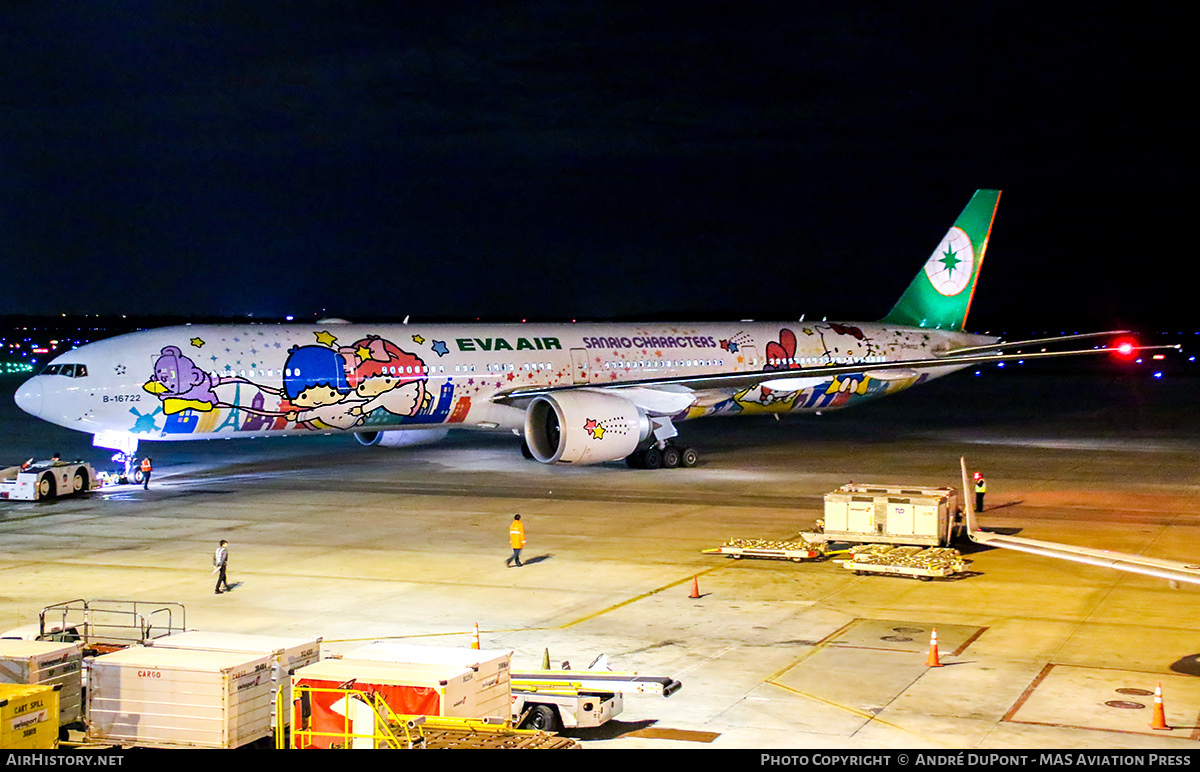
(489, 695)
(287, 653)
(45, 663)
(28, 717)
(173, 698)
(409, 689)
(891, 514)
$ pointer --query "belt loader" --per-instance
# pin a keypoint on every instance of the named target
(567, 699)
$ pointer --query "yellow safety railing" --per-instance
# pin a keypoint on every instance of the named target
(389, 730)
(348, 734)
(280, 721)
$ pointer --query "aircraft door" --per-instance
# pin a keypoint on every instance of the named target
(750, 358)
(579, 365)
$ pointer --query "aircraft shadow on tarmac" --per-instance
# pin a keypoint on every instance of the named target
(993, 507)
(1189, 665)
(967, 547)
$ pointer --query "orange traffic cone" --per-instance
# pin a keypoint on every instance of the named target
(1160, 718)
(932, 660)
(695, 587)
(475, 637)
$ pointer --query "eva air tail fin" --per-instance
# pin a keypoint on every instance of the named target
(941, 293)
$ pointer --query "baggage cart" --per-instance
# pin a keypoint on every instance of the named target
(768, 549)
(915, 562)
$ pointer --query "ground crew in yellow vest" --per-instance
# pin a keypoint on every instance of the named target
(147, 468)
(516, 539)
(980, 489)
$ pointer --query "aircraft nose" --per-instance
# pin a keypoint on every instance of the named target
(29, 397)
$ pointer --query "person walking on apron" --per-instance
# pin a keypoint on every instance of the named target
(220, 563)
(516, 539)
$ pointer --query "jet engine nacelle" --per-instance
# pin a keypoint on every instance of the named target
(583, 427)
(400, 438)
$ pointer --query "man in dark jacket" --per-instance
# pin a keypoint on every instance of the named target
(220, 563)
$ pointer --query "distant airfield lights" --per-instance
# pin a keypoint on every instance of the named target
(14, 368)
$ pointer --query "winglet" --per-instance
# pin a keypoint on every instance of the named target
(941, 293)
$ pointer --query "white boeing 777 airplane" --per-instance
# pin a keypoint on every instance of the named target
(577, 393)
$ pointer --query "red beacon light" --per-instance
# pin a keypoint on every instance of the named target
(1124, 348)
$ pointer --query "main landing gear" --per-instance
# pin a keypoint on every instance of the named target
(669, 456)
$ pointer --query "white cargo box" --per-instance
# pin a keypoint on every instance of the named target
(287, 654)
(893, 514)
(490, 693)
(290, 652)
(48, 664)
(162, 697)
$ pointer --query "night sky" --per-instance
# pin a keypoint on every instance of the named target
(592, 159)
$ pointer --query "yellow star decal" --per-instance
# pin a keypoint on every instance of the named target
(418, 339)
(363, 353)
(325, 338)
(598, 433)
(197, 342)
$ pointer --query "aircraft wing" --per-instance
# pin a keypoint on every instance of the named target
(798, 377)
(1138, 564)
(1170, 570)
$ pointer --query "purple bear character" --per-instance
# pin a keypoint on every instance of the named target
(180, 384)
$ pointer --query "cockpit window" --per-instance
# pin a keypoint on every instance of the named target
(71, 371)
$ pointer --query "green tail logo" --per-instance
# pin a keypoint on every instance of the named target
(940, 295)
